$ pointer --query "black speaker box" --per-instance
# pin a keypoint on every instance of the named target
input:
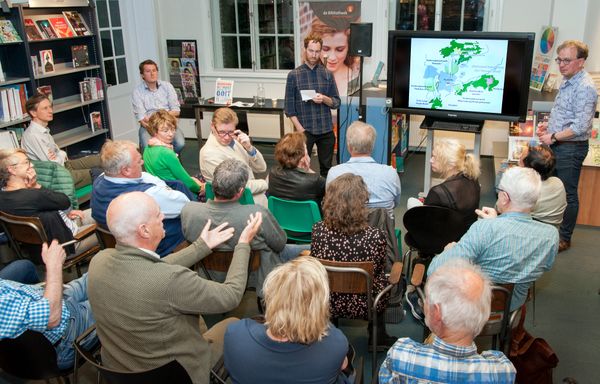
(361, 38)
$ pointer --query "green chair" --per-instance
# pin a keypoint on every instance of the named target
(246, 198)
(295, 217)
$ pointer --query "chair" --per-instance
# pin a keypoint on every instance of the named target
(295, 217)
(17, 358)
(29, 230)
(105, 238)
(218, 373)
(497, 324)
(357, 278)
(171, 372)
(220, 261)
(429, 229)
(246, 198)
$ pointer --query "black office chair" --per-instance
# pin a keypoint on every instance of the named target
(172, 372)
(31, 357)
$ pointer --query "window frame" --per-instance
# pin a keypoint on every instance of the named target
(110, 29)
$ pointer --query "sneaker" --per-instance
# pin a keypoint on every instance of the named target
(415, 303)
(563, 245)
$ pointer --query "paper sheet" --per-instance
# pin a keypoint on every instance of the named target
(308, 94)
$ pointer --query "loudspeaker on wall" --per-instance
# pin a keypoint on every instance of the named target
(361, 37)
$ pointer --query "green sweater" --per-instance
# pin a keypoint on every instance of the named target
(163, 163)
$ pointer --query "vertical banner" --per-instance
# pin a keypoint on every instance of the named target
(331, 20)
(540, 70)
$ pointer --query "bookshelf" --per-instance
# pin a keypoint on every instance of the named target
(70, 127)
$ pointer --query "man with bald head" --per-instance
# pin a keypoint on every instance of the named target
(148, 310)
(457, 305)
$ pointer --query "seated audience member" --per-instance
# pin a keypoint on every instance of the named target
(296, 343)
(460, 189)
(552, 203)
(21, 271)
(157, 316)
(344, 235)
(61, 313)
(122, 165)
(39, 144)
(457, 305)
(511, 247)
(227, 142)
(230, 177)
(22, 195)
(160, 159)
(382, 180)
(292, 178)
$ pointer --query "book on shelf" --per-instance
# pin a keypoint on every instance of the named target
(46, 90)
(85, 91)
(95, 121)
(81, 57)
(60, 26)
(8, 33)
(8, 139)
(35, 64)
(77, 23)
(4, 108)
(12, 102)
(31, 30)
(189, 66)
(2, 77)
(95, 87)
(45, 27)
(47, 61)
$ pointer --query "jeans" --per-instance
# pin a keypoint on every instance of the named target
(325, 144)
(291, 251)
(178, 140)
(80, 319)
(569, 159)
(22, 271)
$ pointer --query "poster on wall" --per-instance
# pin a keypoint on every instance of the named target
(540, 70)
(331, 20)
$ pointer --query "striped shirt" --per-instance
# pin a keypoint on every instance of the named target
(512, 248)
(24, 307)
(415, 363)
(315, 118)
(574, 107)
(146, 102)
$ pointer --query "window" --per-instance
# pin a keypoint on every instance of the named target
(111, 35)
(457, 15)
(253, 34)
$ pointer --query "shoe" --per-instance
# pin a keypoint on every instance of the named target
(563, 245)
(415, 303)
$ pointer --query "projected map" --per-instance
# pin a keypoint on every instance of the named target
(459, 75)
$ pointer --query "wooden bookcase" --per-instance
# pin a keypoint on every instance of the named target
(71, 126)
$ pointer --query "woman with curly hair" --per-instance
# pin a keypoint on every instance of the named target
(296, 343)
(345, 235)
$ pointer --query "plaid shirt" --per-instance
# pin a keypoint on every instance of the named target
(24, 307)
(574, 107)
(415, 363)
(315, 118)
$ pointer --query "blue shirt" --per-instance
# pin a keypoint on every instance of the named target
(411, 362)
(24, 307)
(146, 101)
(512, 248)
(315, 118)
(574, 107)
(382, 180)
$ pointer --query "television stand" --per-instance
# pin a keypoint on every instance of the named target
(433, 124)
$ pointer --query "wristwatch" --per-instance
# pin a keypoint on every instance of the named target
(553, 138)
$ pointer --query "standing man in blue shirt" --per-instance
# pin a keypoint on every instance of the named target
(569, 127)
(313, 117)
(150, 96)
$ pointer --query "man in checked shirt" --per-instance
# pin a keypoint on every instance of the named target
(313, 117)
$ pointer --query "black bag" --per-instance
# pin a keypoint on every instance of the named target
(533, 358)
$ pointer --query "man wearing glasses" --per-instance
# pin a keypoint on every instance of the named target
(569, 127)
(227, 142)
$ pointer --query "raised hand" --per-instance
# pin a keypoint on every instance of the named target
(251, 229)
(216, 236)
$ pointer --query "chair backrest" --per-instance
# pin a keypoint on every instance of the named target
(17, 357)
(295, 217)
(220, 261)
(497, 324)
(105, 238)
(246, 198)
(430, 228)
(350, 277)
(28, 230)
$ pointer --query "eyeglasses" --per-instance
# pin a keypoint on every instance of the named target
(558, 61)
(226, 133)
(498, 190)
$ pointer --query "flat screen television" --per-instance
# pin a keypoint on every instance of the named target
(460, 76)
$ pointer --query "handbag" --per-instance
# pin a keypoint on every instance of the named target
(533, 358)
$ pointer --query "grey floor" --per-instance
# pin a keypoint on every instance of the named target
(567, 297)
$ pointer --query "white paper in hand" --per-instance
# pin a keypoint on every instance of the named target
(308, 94)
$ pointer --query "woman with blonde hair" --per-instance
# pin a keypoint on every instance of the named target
(345, 235)
(296, 343)
(460, 189)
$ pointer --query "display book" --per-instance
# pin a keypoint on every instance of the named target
(45, 63)
(91, 89)
(12, 102)
(183, 68)
(8, 33)
(55, 26)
